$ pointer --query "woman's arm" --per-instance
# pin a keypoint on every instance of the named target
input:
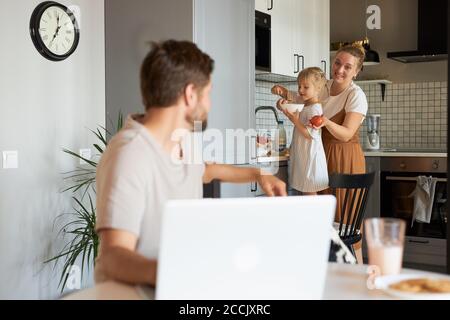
(291, 96)
(347, 130)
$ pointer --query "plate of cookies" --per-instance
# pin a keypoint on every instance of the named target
(415, 286)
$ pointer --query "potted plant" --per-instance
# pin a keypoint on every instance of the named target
(80, 228)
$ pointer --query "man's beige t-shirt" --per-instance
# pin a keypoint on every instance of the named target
(135, 178)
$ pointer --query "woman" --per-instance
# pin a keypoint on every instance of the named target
(344, 109)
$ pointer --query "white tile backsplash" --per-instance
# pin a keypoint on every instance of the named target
(413, 115)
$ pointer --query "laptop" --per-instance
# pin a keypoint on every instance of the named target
(245, 248)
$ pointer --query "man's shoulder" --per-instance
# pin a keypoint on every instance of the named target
(126, 149)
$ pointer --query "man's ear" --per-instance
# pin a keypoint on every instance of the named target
(190, 95)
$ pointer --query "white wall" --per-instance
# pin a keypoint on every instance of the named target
(129, 31)
(44, 106)
(398, 33)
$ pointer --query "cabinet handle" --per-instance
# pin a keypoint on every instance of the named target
(296, 68)
(418, 241)
(303, 61)
(324, 66)
(271, 5)
(253, 186)
(253, 147)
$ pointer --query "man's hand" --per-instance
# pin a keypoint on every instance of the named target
(271, 185)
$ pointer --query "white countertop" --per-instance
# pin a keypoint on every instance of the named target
(376, 153)
(272, 159)
(344, 282)
(412, 153)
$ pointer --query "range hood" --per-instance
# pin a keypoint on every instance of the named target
(431, 34)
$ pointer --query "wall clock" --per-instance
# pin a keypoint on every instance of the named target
(54, 30)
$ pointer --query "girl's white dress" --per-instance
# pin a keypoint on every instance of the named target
(308, 165)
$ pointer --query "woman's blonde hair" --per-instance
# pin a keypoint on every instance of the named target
(356, 50)
(315, 74)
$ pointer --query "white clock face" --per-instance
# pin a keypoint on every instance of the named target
(57, 30)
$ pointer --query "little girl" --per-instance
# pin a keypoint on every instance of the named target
(308, 172)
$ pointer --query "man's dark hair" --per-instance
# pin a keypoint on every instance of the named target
(169, 67)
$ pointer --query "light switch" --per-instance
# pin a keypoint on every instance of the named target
(10, 159)
(85, 153)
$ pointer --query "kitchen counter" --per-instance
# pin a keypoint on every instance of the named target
(435, 153)
(385, 152)
(272, 159)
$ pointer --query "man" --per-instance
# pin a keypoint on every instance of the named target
(137, 173)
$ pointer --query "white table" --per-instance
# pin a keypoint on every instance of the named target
(344, 282)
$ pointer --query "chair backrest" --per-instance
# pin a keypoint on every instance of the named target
(352, 191)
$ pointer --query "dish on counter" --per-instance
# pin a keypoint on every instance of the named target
(415, 286)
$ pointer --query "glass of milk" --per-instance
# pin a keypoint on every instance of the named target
(385, 240)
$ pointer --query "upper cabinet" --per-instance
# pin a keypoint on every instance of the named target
(300, 34)
(282, 38)
(264, 5)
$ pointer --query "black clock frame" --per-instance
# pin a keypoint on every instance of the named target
(36, 38)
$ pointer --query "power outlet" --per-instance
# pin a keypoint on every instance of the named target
(10, 159)
(85, 153)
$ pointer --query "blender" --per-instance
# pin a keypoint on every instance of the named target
(373, 131)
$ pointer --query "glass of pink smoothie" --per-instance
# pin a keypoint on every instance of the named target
(385, 240)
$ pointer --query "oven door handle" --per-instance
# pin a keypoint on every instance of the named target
(411, 179)
(419, 241)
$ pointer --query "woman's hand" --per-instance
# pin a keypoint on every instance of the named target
(280, 91)
(324, 123)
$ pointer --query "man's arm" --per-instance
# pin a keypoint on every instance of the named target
(271, 185)
(118, 259)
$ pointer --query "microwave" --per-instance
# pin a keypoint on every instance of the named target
(262, 41)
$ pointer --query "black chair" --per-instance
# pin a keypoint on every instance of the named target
(352, 191)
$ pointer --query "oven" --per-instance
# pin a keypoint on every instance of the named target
(425, 243)
(262, 41)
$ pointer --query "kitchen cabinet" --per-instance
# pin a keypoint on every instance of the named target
(373, 200)
(223, 29)
(264, 5)
(300, 35)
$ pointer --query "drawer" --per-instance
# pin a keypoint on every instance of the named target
(425, 251)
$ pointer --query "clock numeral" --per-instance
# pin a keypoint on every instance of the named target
(56, 46)
(68, 40)
(45, 21)
(45, 37)
(43, 29)
(69, 31)
(63, 46)
(49, 15)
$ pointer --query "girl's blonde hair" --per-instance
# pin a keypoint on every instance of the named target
(315, 74)
(356, 50)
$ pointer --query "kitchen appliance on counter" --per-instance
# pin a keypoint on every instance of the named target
(373, 131)
(425, 243)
